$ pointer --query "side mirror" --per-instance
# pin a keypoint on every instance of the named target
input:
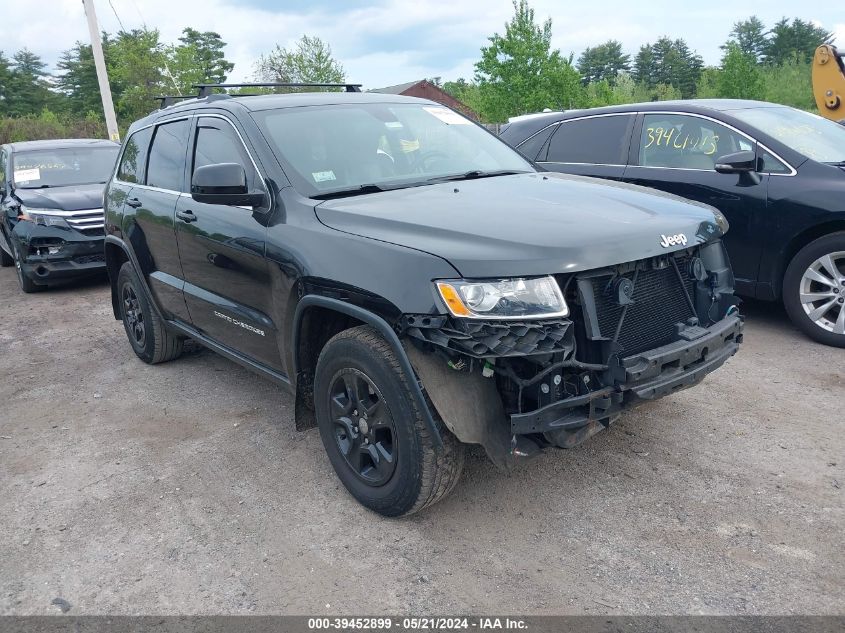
(737, 163)
(223, 183)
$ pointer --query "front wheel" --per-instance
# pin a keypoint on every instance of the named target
(26, 284)
(814, 289)
(372, 430)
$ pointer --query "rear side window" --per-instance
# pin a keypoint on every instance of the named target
(531, 148)
(166, 164)
(217, 142)
(131, 168)
(2, 168)
(599, 140)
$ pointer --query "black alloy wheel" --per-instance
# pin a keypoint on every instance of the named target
(364, 429)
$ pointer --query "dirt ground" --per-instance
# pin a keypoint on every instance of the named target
(184, 489)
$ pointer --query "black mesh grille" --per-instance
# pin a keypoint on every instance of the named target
(90, 259)
(659, 303)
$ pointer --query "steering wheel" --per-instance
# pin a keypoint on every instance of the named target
(422, 161)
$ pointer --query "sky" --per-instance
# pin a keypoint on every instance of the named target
(386, 42)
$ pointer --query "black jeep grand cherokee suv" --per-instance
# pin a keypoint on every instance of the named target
(51, 198)
(414, 281)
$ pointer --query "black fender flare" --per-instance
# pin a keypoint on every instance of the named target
(383, 328)
(111, 239)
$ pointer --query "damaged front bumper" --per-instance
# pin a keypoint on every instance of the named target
(51, 254)
(648, 376)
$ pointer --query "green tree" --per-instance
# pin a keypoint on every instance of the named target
(309, 61)
(77, 79)
(739, 77)
(750, 36)
(198, 58)
(136, 72)
(28, 92)
(790, 83)
(5, 76)
(669, 62)
(800, 38)
(519, 72)
(603, 62)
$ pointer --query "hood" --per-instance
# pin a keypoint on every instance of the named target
(73, 198)
(526, 224)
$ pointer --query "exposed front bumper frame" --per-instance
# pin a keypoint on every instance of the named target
(649, 375)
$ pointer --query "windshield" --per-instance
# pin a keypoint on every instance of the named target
(62, 167)
(813, 136)
(370, 147)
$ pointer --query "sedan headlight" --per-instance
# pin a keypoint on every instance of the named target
(44, 217)
(535, 298)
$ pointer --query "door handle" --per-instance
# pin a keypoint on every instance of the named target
(134, 203)
(186, 216)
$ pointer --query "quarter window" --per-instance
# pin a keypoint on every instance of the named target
(216, 142)
(131, 167)
(601, 140)
(686, 142)
(166, 165)
(771, 165)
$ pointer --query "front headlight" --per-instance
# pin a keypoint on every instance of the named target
(535, 298)
(44, 217)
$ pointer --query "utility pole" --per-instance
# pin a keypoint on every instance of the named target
(102, 74)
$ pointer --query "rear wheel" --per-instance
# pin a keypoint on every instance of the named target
(372, 430)
(814, 289)
(150, 339)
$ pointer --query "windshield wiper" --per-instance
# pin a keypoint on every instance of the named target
(352, 191)
(840, 163)
(475, 174)
(37, 187)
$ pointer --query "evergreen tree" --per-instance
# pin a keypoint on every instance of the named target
(798, 39)
(603, 62)
(198, 58)
(28, 92)
(5, 77)
(750, 36)
(670, 63)
(77, 80)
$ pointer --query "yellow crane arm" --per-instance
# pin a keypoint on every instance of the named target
(829, 82)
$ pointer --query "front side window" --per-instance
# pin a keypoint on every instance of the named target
(63, 167)
(594, 141)
(131, 168)
(338, 148)
(815, 137)
(166, 165)
(686, 142)
(217, 142)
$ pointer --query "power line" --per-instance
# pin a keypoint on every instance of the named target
(122, 28)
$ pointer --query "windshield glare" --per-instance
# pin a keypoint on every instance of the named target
(340, 147)
(813, 136)
(62, 167)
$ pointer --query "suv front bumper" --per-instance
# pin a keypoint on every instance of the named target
(78, 255)
(648, 376)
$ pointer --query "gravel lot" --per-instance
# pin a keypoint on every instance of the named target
(184, 489)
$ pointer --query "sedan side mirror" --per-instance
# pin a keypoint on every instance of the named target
(737, 163)
(223, 183)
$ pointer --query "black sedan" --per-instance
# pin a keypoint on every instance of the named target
(777, 174)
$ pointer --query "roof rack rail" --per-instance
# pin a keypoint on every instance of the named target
(205, 89)
(169, 100)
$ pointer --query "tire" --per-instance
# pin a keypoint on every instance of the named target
(818, 273)
(147, 334)
(416, 475)
(26, 284)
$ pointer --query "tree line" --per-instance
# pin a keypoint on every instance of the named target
(519, 71)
